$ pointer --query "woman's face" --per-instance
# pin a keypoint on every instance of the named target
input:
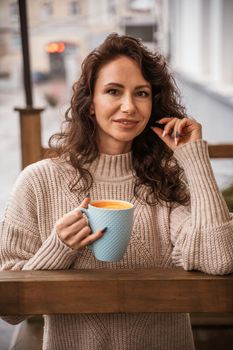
(122, 104)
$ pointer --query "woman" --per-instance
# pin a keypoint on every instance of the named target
(126, 137)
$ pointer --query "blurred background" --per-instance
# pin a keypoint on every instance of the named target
(195, 36)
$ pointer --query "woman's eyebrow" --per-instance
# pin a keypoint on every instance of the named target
(143, 86)
(122, 86)
(115, 84)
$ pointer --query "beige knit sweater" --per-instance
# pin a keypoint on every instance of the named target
(199, 237)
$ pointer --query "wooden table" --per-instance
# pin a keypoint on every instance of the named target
(100, 291)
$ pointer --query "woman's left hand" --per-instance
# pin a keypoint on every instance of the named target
(178, 132)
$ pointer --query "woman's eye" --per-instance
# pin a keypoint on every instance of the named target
(112, 92)
(142, 93)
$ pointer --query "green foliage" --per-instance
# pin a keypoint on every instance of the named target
(228, 196)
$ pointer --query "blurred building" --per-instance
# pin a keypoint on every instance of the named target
(201, 40)
(10, 54)
(142, 18)
(200, 48)
(61, 32)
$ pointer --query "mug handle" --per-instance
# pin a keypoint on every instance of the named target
(85, 211)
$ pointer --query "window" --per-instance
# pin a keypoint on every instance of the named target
(144, 32)
(13, 10)
(46, 10)
(111, 7)
(15, 41)
(74, 8)
(141, 5)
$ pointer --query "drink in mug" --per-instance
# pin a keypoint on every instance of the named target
(117, 216)
(107, 204)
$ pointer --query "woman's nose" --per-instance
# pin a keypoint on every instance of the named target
(128, 105)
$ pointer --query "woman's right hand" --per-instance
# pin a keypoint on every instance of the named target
(74, 231)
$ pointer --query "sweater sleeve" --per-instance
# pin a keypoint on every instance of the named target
(202, 233)
(21, 246)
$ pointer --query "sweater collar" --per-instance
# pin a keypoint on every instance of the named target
(109, 167)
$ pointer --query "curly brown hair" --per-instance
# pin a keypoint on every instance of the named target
(153, 163)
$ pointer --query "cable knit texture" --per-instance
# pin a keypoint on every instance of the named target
(199, 236)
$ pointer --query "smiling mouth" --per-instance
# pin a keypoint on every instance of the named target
(126, 122)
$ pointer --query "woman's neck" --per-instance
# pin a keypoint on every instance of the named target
(113, 147)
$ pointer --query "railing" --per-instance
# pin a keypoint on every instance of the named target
(105, 291)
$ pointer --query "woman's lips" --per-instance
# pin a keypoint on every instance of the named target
(126, 123)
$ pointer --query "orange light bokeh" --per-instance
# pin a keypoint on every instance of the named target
(56, 47)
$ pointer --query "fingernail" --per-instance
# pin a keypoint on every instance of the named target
(164, 133)
(104, 229)
(176, 138)
(88, 195)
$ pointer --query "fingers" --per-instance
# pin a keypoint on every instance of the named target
(170, 132)
(76, 227)
(75, 238)
(73, 228)
(69, 219)
(175, 129)
(169, 128)
(70, 224)
(182, 129)
(86, 201)
(178, 131)
(188, 129)
(84, 238)
(88, 239)
(164, 120)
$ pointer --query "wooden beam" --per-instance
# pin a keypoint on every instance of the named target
(30, 134)
(105, 291)
(221, 150)
(211, 319)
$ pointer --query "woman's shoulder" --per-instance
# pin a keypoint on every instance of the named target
(42, 171)
(38, 165)
(46, 166)
(45, 172)
(37, 169)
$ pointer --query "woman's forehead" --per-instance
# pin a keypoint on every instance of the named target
(121, 69)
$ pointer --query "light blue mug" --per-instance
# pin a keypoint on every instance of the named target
(117, 216)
